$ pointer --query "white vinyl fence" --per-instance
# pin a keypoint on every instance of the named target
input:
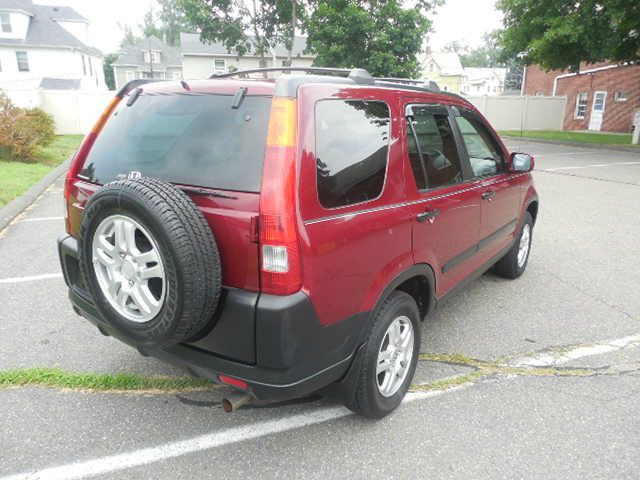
(526, 113)
(73, 111)
(76, 112)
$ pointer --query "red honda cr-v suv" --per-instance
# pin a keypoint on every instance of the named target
(289, 236)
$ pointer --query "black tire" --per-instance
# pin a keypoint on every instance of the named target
(508, 266)
(368, 400)
(187, 249)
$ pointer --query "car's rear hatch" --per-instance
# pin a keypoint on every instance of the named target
(198, 137)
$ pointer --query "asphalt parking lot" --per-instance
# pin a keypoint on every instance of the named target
(557, 351)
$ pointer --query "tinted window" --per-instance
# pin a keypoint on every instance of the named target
(188, 139)
(484, 153)
(436, 144)
(352, 142)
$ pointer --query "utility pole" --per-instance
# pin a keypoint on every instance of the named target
(293, 32)
(150, 57)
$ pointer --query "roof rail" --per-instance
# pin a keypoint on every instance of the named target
(358, 75)
(282, 69)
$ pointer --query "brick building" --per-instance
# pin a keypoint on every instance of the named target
(601, 96)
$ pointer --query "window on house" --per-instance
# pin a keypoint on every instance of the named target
(5, 20)
(130, 75)
(23, 61)
(620, 96)
(432, 67)
(153, 56)
(219, 65)
(581, 105)
(351, 172)
(539, 94)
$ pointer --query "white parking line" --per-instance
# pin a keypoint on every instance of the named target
(588, 166)
(252, 431)
(40, 219)
(31, 278)
(551, 359)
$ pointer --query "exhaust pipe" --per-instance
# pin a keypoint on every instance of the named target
(234, 401)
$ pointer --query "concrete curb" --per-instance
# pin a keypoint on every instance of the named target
(617, 148)
(16, 206)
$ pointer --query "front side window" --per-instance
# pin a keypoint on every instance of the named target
(130, 75)
(5, 20)
(432, 149)
(581, 105)
(485, 154)
(23, 61)
(352, 145)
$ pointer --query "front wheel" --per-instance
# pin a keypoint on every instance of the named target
(514, 263)
(390, 357)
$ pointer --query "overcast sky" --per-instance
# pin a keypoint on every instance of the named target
(463, 20)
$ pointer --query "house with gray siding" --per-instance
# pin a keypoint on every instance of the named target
(199, 60)
(149, 58)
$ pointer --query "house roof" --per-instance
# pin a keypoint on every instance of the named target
(192, 45)
(480, 74)
(44, 30)
(448, 62)
(50, 83)
(133, 55)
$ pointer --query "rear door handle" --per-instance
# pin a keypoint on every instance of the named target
(488, 195)
(430, 215)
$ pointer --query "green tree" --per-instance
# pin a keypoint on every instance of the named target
(242, 26)
(148, 25)
(485, 55)
(382, 36)
(172, 21)
(560, 34)
(128, 37)
(107, 66)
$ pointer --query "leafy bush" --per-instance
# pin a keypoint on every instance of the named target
(23, 131)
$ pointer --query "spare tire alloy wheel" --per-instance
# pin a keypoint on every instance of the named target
(129, 268)
(150, 262)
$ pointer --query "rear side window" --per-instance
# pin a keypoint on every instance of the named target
(433, 144)
(352, 143)
(190, 139)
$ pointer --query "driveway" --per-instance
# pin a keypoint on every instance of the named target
(533, 378)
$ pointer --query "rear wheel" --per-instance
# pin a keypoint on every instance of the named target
(514, 263)
(390, 357)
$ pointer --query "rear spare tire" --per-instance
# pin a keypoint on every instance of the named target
(150, 262)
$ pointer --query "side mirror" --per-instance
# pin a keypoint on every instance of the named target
(522, 162)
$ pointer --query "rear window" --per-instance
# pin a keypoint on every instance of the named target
(352, 142)
(191, 139)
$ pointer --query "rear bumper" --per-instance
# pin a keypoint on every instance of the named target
(281, 350)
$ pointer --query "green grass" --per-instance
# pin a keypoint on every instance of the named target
(581, 137)
(17, 177)
(99, 382)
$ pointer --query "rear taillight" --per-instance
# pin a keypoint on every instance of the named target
(82, 153)
(280, 253)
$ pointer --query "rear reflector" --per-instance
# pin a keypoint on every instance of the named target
(234, 382)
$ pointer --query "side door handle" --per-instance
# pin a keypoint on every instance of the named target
(430, 216)
(488, 195)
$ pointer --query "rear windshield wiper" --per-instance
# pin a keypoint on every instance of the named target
(206, 191)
